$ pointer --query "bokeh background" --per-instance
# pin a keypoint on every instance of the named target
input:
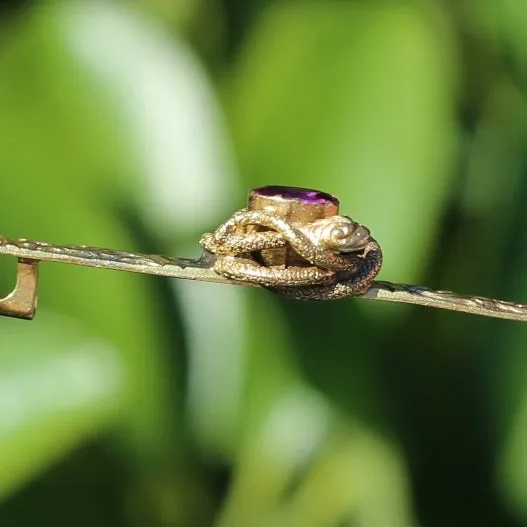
(141, 402)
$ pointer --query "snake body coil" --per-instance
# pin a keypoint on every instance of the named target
(344, 257)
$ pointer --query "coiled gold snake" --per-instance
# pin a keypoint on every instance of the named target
(344, 257)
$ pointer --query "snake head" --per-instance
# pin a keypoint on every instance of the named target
(339, 234)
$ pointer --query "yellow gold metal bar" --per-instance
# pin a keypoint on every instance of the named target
(21, 303)
(475, 305)
(87, 256)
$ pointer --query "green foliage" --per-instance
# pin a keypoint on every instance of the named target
(139, 402)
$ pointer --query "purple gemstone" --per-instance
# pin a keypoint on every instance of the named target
(307, 196)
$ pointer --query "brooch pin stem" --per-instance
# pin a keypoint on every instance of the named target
(289, 240)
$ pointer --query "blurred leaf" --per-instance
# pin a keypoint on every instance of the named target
(263, 463)
(512, 21)
(215, 319)
(355, 473)
(63, 156)
(356, 99)
(55, 392)
(177, 170)
(287, 425)
(179, 12)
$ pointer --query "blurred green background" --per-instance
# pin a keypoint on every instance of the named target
(141, 402)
